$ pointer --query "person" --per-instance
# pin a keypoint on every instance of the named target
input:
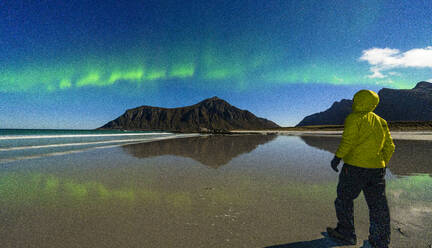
(366, 148)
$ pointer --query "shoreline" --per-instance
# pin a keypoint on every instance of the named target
(401, 135)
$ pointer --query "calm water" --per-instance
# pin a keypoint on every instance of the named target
(213, 191)
(21, 144)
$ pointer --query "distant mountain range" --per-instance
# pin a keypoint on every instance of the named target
(395, 105)
(408, 107)
(210, 115)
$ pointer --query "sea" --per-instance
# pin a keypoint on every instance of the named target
(22, 144)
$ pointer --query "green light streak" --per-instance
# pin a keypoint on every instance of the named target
(90, 79)
(51, 185)
(325, 74)
(76, 191)
(156, 74)
(216, 66)
(101, 191)
(35, 78)
(133, 75)
(24, 188)
(182, 71)
(47, 190)
(65, 83)
(413, 187)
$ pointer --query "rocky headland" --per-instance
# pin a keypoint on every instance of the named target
(213, 115)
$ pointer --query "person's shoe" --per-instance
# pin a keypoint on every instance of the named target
(339, 237)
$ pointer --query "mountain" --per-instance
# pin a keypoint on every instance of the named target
(213, 151)
(210, 115)
(395, 105)
(406, 105)
(335, 115)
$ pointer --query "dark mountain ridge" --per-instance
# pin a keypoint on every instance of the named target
(210, 115)
(395, 105)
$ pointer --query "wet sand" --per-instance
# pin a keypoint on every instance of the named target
(214, 191)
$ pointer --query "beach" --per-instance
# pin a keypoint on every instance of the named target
(244, 190)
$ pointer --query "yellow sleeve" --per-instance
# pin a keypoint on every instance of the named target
(349, 136)
(389, 147)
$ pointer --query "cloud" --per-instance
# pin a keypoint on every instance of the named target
(383, 59)
(376, 73)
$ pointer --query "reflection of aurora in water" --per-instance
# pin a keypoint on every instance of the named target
(413, 188)
(49, 190)
(18, 188)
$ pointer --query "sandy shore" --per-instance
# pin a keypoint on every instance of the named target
(213, 191)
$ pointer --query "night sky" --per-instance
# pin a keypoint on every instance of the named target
(80, 64)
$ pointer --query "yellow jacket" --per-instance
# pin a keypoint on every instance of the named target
(366, 140)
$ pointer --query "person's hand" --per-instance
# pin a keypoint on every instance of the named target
(335, 162)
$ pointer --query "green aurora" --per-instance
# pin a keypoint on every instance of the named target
(210, 69)
(176, 53)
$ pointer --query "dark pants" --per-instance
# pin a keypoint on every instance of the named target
(352, 180)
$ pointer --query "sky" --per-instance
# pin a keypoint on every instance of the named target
(79, 64)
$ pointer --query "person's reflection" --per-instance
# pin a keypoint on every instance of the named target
(213, 151)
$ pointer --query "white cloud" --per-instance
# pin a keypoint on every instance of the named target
(383, 59)
(376, 73)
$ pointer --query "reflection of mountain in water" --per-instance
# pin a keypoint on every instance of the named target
(213, 151)
(411, 156)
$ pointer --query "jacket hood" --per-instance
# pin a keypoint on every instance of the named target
(365, 101)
